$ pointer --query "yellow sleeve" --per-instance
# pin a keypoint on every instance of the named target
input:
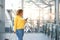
(15, 24)
(24, 21)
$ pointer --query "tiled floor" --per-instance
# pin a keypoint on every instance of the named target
(27, 36)
(36, 36)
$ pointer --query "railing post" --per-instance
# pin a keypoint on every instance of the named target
(57, 17)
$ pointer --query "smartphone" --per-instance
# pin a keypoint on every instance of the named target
(26, 19)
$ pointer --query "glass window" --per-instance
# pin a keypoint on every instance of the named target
(38, 13)
(10, 10)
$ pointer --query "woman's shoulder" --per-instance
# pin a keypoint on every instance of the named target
(16, 16)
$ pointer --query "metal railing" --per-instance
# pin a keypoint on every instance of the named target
(52, 30)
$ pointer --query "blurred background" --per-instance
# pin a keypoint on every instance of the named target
(38, 12)
(43, 18)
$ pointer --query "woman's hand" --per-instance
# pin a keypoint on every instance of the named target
(26, 19)
(14, 32)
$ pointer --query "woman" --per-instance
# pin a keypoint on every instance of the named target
(19, 23)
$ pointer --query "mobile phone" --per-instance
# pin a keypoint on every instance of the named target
(26, 19)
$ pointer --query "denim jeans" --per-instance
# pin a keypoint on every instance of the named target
(20, 34)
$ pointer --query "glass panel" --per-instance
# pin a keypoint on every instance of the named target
(10, 9)
(38, 12)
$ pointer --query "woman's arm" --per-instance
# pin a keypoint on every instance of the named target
(26, 20)
(15, 24)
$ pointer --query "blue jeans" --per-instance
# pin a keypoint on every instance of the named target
(20, 34)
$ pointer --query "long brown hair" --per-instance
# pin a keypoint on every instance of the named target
(19, 11)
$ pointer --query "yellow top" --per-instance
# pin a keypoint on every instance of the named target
(19, 23)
